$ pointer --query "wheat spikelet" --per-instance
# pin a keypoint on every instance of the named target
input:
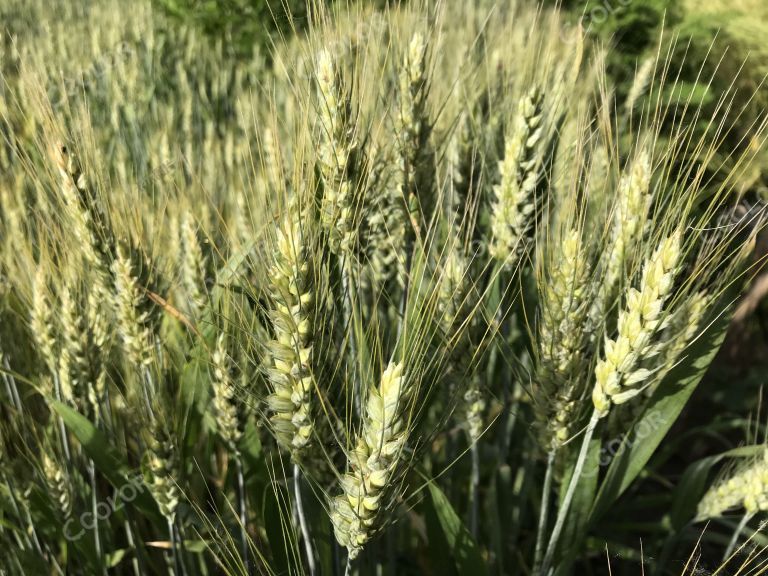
(373, 462)
(192, 266)
(133, 321)
(336, 155)
(412, 132)
(514, 203)
(40, 320)
(161, 465)
(746, 486)
(633, 200)
(564, 301)
(619, 375)
(57, 482)
(225, 404)
(290, 353)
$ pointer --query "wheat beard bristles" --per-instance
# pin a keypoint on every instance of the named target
(373, 462)
(747, 487)
(565, 303)
(619, 375)
(224, 400)
(290, 353)
(336, 154)
(132, 323)
(515, 203)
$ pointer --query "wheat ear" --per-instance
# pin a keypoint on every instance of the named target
(337, 155)
(290, 353)
(226, 408)
(619, 375)
(515, 203)
(58, 484)
(373, 462)
(565, 299)
(412, 131)
(747, 487)
(192, 266)
(633, 201)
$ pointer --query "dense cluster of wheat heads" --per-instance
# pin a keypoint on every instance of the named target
(254, 314)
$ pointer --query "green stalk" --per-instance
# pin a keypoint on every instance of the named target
(243, 513)
(474, 484)
(94, 508)
(303, 520)
(174, 547)
(734, 540)
(544, 512)
(562, 513)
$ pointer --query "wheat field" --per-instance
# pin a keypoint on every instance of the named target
(411, 290)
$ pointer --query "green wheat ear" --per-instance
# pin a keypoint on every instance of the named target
(565, 298)
(161, 469)
(514, 204)
(619, 375)
(228, 410)
(373, 462)
(745, 487)
(58, 484)
(412, 133)
(290, 353)
(337, 155)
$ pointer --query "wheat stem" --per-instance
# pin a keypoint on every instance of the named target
(174, 547)
(302, 519)
(544, 512)
(243, 513)
(562, 513)
(474, 485)
(94, 509)
(734, 540)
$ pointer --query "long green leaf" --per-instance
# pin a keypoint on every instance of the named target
(463, 548)
(106, 459)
